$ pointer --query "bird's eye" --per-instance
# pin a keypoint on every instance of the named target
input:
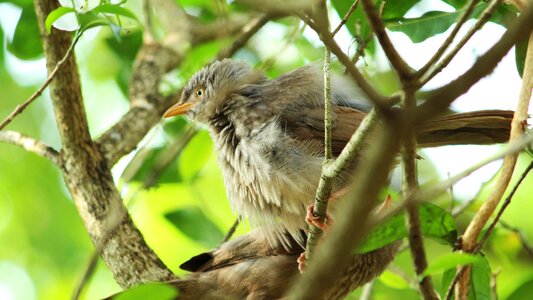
(199, 93)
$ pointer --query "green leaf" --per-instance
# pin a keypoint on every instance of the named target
(55, 15)
(520, 56)
(479, 288)
(157, 291)
(193, 223)
(524, 291)
(90, 20)
(393, 280)
(398, 8)
(195, 155)
(447, 279)
(435, 222)
(448, 261)
(26, 43)
(115, 9)
(480, 280)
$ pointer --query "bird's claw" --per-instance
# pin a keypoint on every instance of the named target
(312, 219)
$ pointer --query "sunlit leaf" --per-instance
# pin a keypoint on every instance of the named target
(26, 43)
(393, 280)
(195, 224)
(157, 291)
(435, 222)
(90, 20)
(524, 291)
(448, 261)
(55, 15)
(117, 10)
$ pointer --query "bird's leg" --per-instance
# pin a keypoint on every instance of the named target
(312, 219)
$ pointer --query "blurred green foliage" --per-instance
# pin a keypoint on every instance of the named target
(45, 247)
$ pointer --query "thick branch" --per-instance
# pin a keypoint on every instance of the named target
(30, 144)
(87, 174)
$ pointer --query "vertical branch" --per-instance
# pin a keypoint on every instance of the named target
(87, 174)
(409, 189)
(325, 184)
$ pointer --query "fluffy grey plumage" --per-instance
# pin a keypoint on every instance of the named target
(269, 136)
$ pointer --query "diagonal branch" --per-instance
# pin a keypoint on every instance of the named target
(449, 39)
(485, 16)
(445, 95)
(399, 65)
(31, 145)
(20, 108)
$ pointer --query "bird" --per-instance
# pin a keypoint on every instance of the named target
(269, 135)
(249, 267)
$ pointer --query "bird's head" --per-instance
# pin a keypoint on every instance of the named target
(209, 89)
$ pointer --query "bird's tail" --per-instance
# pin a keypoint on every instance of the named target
(475, 128)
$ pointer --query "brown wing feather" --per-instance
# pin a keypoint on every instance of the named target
(307, 125)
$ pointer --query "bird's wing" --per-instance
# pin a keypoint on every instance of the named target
(306, 124)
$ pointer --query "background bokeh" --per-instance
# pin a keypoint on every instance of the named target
(44, 248)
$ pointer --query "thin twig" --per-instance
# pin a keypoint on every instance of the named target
(502, 208)
(399, 65)
(231, 230)
(449, 291)
(521, 235)
(485, 16)
(345, 18)
(21, 107)
(148, 32)
(31, 145)
(373, 95)
(87, 275)
(325, 185)
(525, 25)
(247, 32)
(442, 97)
(410, 188)
(449, 39)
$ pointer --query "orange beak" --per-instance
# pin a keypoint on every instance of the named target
(178, 109)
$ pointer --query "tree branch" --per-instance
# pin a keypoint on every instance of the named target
(325, 36)
(20, 108)
(517, 128)
(449, 39)
(399, 65)
(86, 171)
(31, 145)
(247, 32)
(410, 188)
(444, 96)
(485, 16)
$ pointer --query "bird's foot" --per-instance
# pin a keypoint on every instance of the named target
(312, 219)
(301, 262)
